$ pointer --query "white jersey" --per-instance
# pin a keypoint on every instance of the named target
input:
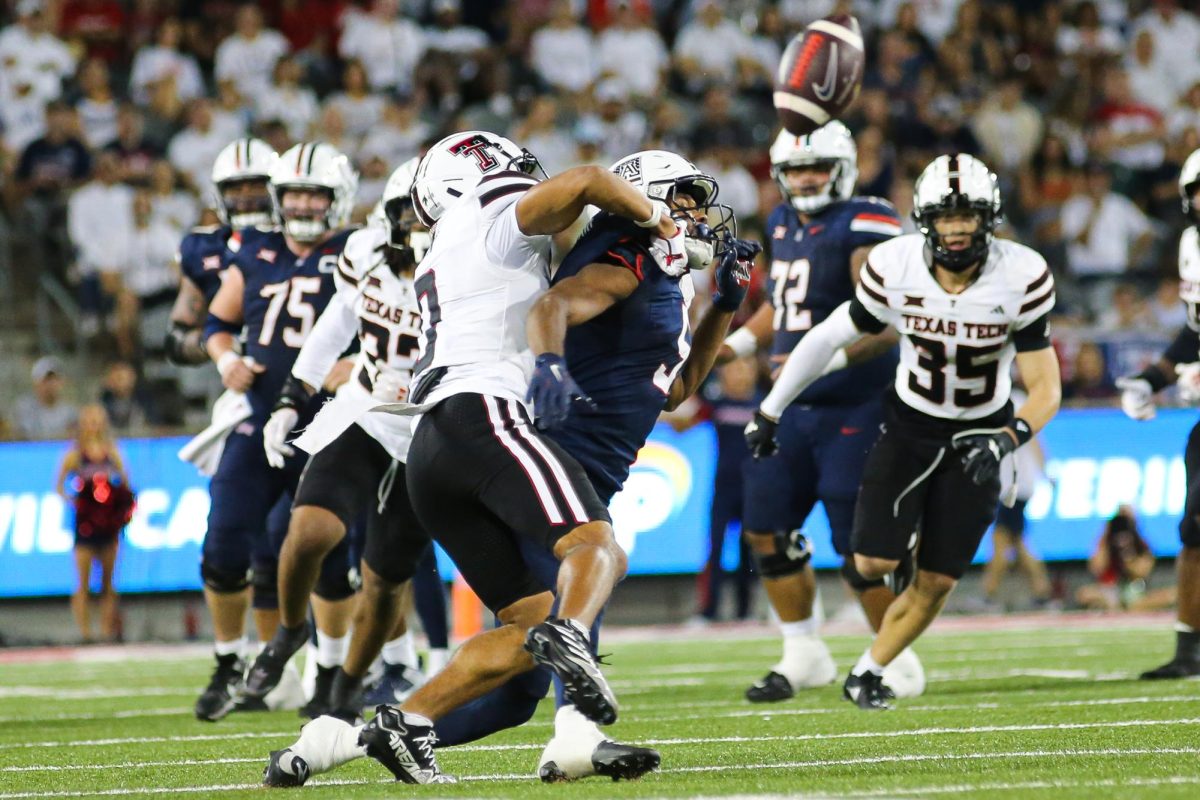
(956, 349)
(1189, 275)
(476, 286)
(380, 307)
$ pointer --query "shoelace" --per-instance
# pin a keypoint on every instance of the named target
(426, 744)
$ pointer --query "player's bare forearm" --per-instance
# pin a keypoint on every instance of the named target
(706, 341)
(553, 205)
(871, 346)
(1039, 372)
(759, 326)
(189, 308)
(573, 301)
(219, 344)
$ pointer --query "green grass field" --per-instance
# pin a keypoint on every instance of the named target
(1049, 711)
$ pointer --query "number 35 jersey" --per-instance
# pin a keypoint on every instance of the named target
(956, 350)
(810, 276)
(284, 294)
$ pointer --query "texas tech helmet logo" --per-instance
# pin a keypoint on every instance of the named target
(476, 146)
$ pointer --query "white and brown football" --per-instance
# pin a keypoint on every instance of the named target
(820, 74)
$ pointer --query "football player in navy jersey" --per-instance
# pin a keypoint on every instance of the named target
(240, 174)
(818, 240)
(277, 283)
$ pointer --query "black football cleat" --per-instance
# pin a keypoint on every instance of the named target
(621, 762)
(346, 698)
(868, 692)
(322, 695)
(397, 682)
(1174, 669)
(267, 669)
(404, 745)
(285, 770)
(221, 695)
(558, 645)
(771, 689)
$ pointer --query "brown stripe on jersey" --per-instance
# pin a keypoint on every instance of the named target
(1033, 287)
(1037, 301)
(509, 173)
(487, 198)
(867, 268)
(874, 295)
(347, 270)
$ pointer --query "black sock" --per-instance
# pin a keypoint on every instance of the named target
(1187, 645)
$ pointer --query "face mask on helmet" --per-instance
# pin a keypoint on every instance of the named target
(1189, 205)
(246, 202)
(408, 240)
(965, 235)
(305, 211)
(806, 193)
(707, 225)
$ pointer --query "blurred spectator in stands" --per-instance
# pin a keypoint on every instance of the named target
(907, 19)
(668, 128)
(1126, 311)
(194, 148)
(248, 55)
(331, 127)
(934, 18)
(539, 132)
(173, 206)
(623, 127)
(717, 124)
(143, 281)
(739, 190)
(1089, 376)
(1106, 235)
(135, 153)
(1127, 132)
(1176, 32)
(563, 52)
(129, 407)
(274, 133)
(165, 114)
(1087, 36)
(1008, 128)
(97, 108)
(22, 110)
(98, 215)
(234, 112)
(940, 128)
(711, 50)
(1043, 185)
(401, 132)
(44, 414)
(1164, 309)
(757, 69)
(164, 59)
(93, 480)
(373, 169)
(895, 73)
(589, 139)
(876, 163)
(96, 26)
(28, 47)
(1185, 115)
(1146, 79)
(457, 58)
(388, 46)
(289, 101)
(633, 51)
(361, 109)
(1120, 564)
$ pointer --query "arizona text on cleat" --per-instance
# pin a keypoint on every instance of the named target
(905, 676)
(559, 645)
(285, 770)
(1174, 669)
(267, 670)
(580, 750)
(867, 692)
(404, 744)
(772, 688)
(219, 698)
(395, 685)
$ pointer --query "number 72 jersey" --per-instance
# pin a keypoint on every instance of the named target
(956, 349)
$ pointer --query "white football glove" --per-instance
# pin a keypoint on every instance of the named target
(671, 254)
(390, 387)
(1137, 398)
(275, 434)
(1188, 382)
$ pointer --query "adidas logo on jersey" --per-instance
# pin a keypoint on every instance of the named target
(998, 310)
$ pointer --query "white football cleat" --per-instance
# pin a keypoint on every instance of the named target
(289, 694)
(905, 676)
(580, 750)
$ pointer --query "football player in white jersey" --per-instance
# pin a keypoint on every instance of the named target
(965, 306)
(361, 470)
(1137, 400)
(480, 476)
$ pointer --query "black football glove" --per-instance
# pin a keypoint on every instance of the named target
(732, 274)
(982, 451)
(552, 390)
(760, 436)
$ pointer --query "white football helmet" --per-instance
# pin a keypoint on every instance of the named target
(1189, 178)
(454, 166)
(406, 234)
(830, 145)
(957, 183)
(320, 166)
(243, 161)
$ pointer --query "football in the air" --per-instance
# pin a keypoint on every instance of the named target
(820, 74)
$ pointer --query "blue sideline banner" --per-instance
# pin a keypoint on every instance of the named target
(1097, 460)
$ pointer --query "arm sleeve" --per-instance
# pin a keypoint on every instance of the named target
(334, 331)
(1034, 336)
(1038, 299)
(808, 360)
(1186, 347)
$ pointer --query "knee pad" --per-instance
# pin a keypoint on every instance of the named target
(792, 552)
(221, 580)
(338, 584)
(265, 580)
(856, 580)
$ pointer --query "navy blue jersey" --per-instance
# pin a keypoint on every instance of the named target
(626, 358)
(729, 417)
(202, 257)
(283, 297)
(810, 277)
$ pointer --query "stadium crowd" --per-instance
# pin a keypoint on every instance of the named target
(111, 114)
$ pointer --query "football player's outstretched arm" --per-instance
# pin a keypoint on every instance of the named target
(575, 300)
(328, 339)
(185, 339)
(746, 340)
(706, 342)
(553, 205)
(221, 329)
(810, 358)
(1039, 373)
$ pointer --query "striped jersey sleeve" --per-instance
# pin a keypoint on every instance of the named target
(873, 221)
(1038, 299)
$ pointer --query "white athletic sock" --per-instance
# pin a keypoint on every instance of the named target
(436, 660)
(400, 651)
(232, 647)
(327, 742)
(331, 651)
(1183, 627)
(792, 630)
(570, 723)
(867, 664)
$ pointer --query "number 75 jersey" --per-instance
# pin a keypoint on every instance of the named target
(956, 350)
